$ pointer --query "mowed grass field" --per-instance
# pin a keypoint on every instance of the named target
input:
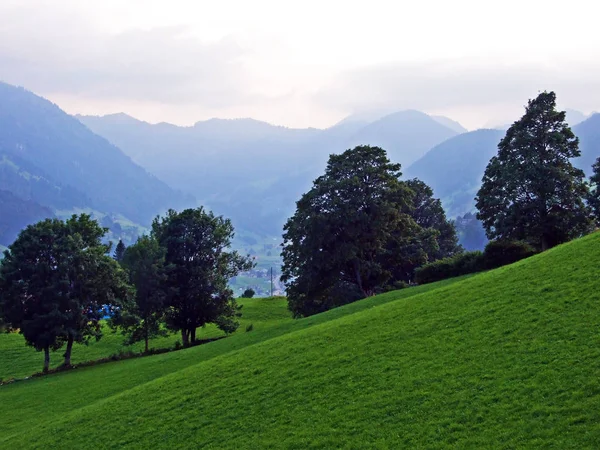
(505, 359)
(18, 360)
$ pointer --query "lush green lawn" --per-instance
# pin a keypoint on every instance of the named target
(18, 360)
(33, 402)
(504, 359)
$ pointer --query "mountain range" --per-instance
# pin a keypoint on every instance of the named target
(126, 171)
(252, 171)
(56, 165)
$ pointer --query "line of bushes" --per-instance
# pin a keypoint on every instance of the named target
(496, 254)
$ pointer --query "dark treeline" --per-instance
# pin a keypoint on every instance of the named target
(57, 281)
(361, 230)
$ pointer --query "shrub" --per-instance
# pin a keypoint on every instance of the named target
(501, 253)
(496, 254)
(249, 328)
(454, 266)
(248, 293)
(395, 286)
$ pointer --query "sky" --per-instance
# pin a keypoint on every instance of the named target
(302, 63)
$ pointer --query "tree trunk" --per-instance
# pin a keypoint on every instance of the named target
(359, 279)
(545, 245)
(184, 337)
(68, 352)
(193, 335)
(146, 338)
(46, 359)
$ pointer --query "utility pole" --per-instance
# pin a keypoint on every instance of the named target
(271, 281)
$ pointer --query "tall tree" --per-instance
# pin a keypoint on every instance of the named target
(433, 238)
(119, 251)
(198, 269)
(56, 283)
(97, 285)
(428, 213)
(145, 263)
(349, 232)
(530, 190)
(594, 198)
(29, 296)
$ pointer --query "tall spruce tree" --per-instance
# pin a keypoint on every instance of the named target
(198, 268)
(119, 251)
(594, 198)
(530, 190)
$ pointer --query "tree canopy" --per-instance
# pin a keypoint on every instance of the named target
(594, 198)
(428, 213)
(57, 282)
(145, 264)
(530, 190)
(198, 267)
(356, 230)
(119, 251)
(248, 293)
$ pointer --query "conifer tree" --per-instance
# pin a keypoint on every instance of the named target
(594, 198)
(119, 251)
(530, 189)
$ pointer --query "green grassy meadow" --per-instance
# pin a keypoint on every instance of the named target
(18, 360)
(504, 359)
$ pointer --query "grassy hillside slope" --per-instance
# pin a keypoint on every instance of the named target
(43, 400)
(505, 359)
(18, 360)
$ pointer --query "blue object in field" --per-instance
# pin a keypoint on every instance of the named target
(106, 312)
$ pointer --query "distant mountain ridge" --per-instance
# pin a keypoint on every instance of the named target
(589, 142)
(406, 135)
(17, 214)
(50, 158)
(254, 172)
(455, 167)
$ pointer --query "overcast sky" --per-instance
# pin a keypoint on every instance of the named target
(302, 63)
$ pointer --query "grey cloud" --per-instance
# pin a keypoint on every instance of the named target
(165, 65)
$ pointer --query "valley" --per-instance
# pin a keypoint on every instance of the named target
(310, 225)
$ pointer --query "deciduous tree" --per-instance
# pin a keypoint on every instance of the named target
(354, 232)
(198, 268)
(428, 213)
(56, 283)
(248, 293)
(145, 264)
